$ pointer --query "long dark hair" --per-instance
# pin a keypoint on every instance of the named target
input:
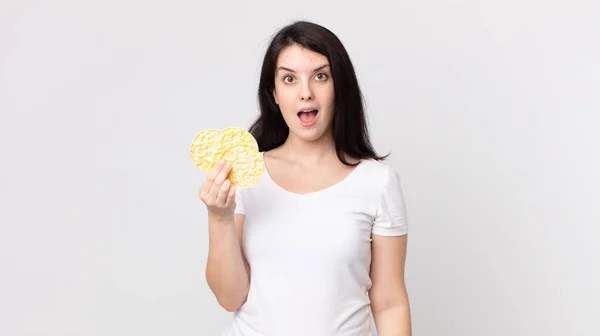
(350, 131)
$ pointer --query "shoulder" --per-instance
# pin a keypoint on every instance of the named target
(383, 180)
(391, 214)
(377, 172)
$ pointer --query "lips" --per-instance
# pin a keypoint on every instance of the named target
(308, 116)
(308, 109)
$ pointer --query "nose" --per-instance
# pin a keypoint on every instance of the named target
(305, 91)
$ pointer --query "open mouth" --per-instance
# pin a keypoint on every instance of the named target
(308, 116)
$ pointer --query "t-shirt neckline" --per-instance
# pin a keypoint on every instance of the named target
(312, 193)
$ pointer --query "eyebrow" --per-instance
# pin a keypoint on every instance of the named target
(316, 69)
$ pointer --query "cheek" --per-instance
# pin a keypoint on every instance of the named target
(285, 100)
(287, 107)
(327, 94)
(285, 104)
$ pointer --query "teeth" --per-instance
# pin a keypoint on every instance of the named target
(305, 111)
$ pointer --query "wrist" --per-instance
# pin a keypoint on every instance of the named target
(220, 218)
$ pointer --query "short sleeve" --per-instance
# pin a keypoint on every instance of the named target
(239, 202)
(391, 214)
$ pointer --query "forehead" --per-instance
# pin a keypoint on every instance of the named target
(300, 59)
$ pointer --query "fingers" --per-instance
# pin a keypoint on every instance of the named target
(210, 180)
(231, 195)
(223, 193)
(220, 179)
(222, 175)
(216, 188)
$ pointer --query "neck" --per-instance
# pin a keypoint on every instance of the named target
(309, 151)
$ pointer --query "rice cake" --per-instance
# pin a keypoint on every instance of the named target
(234, 145)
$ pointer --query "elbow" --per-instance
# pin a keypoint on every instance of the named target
(230, 295)
(231, 305)
(379, 307)
(232, 300)
(390, 298)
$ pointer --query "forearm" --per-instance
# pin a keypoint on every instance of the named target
(226, 270)
(393, 320)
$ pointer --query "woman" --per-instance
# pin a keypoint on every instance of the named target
(319, 244)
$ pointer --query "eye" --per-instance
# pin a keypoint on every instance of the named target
(287, 79)
(321, 76)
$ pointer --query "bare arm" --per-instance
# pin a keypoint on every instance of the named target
(227, 271)
(389, 298)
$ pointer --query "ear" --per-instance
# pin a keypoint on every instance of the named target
(275, 97)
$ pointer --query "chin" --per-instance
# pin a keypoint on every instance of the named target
(311, 134)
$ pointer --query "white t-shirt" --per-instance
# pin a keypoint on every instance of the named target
(310, 254)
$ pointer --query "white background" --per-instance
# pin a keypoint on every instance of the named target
(490, 110)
